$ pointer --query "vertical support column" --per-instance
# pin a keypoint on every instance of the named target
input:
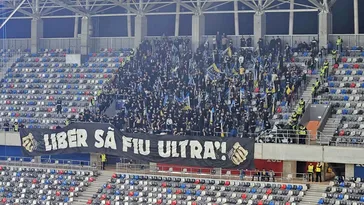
(95, 159)
(36, 34)
(356, 21)
(140, 30)
(325, 28)
(349, 170)
(236, 17)
(291, 20)
(289, 167)
(259, 26)
(176, 24)
(85, 35)
(75, 31)
(128, 20)
(198, 30)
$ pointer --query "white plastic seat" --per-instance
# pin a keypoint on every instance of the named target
(355, 112)
(358, 105)
(361, 126)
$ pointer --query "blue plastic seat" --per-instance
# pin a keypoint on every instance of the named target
(346, 98)
(348, 72)
(346, 65)
(362, 199)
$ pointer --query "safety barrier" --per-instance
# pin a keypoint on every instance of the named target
(284, 136)
(349, 39)
(211, 173)
(36, 162)
(15, 43)
(96, 43)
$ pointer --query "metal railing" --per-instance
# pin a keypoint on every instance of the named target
(45, 163)
(346, 141)
(284, 136)
(349, 39)
(209, 173)
(118, 42)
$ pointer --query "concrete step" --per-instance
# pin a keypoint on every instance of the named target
(92, 189)
(314, 194)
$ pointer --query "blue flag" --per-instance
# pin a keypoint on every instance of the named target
(165, 100)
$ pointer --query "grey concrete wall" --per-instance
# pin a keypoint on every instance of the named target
(314, 112)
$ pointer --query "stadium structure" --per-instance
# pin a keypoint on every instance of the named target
(43, 166)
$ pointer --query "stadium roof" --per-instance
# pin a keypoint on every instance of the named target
(97, 8)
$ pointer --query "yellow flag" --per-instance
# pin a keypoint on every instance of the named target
(241, 70)
(235, 72)
(186, 108)
(216, 69)
(222, 131)
(230, 53)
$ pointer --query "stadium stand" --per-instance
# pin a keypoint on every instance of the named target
(152, 189)
(31, 88)
(344, 91)
(28, 185)
(183, 85)
(48, 78)
(344, 192)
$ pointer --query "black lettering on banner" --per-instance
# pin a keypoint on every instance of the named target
(104, 138)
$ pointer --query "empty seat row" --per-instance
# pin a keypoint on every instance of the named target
(52, 86)
(20, 185)
(125, 188)
(42, 97)
(59, 70)
(348, 192)
(76, 76)
(47, 92)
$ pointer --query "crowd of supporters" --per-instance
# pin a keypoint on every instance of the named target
(164, 87)
(222, 90)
